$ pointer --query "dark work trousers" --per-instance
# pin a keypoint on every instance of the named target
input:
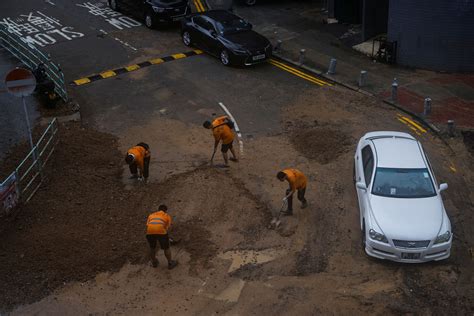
(290, 199)
(146, 167)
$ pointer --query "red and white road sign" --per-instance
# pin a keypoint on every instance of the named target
(20, 82)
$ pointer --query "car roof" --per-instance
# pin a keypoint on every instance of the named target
(398, 152)
(220, 15)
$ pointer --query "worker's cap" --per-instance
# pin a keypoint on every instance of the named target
(162, 207)
(129, 158)
(207, 124)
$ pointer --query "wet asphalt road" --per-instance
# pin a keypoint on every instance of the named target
(87, 39)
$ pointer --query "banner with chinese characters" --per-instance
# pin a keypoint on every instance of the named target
(9, 194)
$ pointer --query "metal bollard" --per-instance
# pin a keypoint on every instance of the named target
(277, 47)
(427, 107)
(332, 66)
(451, 128)
(395, 90)
(302, 52)
(362, 78)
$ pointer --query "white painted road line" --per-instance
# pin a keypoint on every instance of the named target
(237, 129)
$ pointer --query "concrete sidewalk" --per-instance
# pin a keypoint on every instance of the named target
(452, 94)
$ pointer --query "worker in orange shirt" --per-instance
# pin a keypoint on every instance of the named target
(157, 227)
(297, 182)
(222, 131)
(138, 160)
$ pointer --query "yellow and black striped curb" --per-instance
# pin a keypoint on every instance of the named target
(112, 73)
(199, 4)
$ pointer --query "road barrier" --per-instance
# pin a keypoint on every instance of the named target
(32, 57)
(23, 183)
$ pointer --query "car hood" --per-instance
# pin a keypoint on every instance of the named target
(408, 219)
(248, 39)
(169, 3)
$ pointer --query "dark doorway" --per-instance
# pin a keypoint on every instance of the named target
(374, 18)
(348, 11)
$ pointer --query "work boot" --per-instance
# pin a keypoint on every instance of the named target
(172, 264)
(134, 176)
(155, 263)
(304, 204)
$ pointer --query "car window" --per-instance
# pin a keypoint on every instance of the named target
(230, 26)
(403, 183)
(367, 163)
(201, 22)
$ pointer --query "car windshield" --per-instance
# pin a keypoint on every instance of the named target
(233, 26)
(403, 183)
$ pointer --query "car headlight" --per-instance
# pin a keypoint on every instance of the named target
(240, 51)
(443, 238)
(377, 236)
(158, 9)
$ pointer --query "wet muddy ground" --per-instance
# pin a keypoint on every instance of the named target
(79, 246)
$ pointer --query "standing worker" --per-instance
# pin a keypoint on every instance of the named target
(138, 157)
(157, 227)
(297, 181)
(222, 131)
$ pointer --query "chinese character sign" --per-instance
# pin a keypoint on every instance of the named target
(112, 17)
(39, 29)
(9, 195)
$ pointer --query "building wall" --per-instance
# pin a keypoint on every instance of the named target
(433, 34)
(374, 18)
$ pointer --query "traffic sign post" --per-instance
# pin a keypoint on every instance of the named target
(21, 82)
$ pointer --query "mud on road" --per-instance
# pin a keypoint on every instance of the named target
(79, 246)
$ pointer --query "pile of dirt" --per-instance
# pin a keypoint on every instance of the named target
(84, 220)
(468, 138)
(321, 143)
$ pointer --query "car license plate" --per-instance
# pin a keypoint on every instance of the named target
(258, 57)
(410, 255)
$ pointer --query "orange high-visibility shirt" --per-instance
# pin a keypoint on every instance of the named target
(139, 153)
(158, 223)
(219, 121)
(296, 179)
(223, 133)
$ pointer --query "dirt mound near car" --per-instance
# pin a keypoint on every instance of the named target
(321, 143)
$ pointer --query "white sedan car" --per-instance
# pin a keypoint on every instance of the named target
(402, 215)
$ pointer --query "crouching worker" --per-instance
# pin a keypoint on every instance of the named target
(157, 227)
(222, 131)
(297, 182)
(138, 160)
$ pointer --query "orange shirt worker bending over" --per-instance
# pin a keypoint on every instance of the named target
(221, 130)
(297, 182)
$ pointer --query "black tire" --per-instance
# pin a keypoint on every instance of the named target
(353, 172)
(186, 36)
(149, 20)
(224, 57)
(113, 4)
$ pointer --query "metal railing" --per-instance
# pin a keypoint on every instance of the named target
(32, 57)
(29, 171)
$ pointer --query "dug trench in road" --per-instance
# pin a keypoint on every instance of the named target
(318, 265)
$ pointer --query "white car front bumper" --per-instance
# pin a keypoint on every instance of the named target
(409, 255)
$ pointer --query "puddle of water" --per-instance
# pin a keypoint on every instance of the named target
(242, 257)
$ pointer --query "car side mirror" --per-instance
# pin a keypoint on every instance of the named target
(213, 33)
(443, 186)
(361, 185)
(250, 25)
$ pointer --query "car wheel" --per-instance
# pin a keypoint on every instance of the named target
(225, 58)
(250, 2)
(353, 172)
(149, 23)
(113, 5)
(187, 38)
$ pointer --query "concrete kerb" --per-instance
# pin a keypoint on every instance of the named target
(416, 116)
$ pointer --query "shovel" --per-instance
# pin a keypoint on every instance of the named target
(275, 223)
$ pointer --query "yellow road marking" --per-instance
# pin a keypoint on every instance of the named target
(413, 123)
(409, 126)
(199, 6)
(157, 61)
(81, 81)
(298, 73)
(178, 56)
(132, 67)
(198, 51)
(107, 74)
